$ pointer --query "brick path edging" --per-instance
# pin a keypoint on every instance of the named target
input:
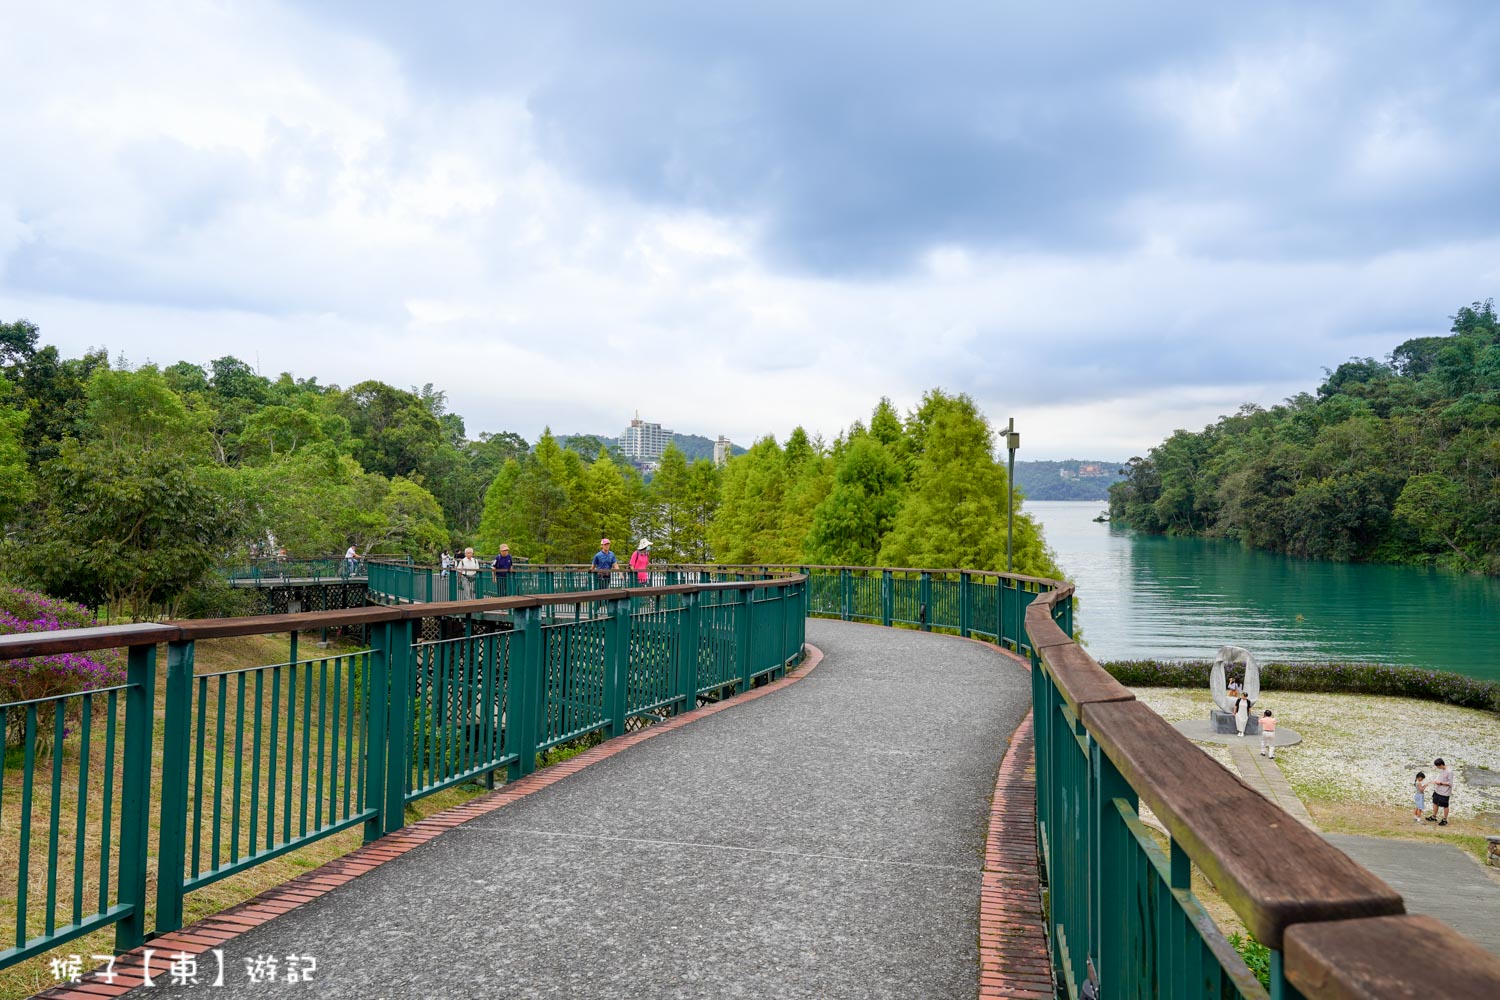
(130, 969)
(1014, 957)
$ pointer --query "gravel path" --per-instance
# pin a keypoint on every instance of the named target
(823, 842)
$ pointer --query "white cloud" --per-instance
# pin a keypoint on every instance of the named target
(195, 180)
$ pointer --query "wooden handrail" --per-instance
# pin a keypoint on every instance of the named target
(1273, 871)
(77, 640)
(1408, 956)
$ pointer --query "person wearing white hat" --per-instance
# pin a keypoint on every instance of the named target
(640, 561)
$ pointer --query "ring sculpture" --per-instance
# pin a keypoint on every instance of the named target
(1218, 683)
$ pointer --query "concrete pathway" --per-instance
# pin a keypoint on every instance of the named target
(823, 842)
(1264, 775)
(1439, 880)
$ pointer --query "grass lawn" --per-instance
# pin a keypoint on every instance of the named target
(35, 974)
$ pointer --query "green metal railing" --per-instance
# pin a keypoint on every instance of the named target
(245, 765)
(272, 571)
(967, 602)
(1122, 911)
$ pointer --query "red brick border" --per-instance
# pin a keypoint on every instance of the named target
(130, 968)
(1014, 958)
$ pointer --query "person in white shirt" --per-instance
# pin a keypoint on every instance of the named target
(1442, 787)
(468, 566)
(351, 561)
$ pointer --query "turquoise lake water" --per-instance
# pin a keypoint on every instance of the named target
(1144, 596)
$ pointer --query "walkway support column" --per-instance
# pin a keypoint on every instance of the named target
(687, 654)
(616, 664)
(135, 786)
(176, 737)
(522, 715)
(744, 637)
(398, 638)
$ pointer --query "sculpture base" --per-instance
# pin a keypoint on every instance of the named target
(1223, 722)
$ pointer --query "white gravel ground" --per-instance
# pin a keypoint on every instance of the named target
(1361, 748)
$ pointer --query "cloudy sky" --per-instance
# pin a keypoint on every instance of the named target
(1108, 220)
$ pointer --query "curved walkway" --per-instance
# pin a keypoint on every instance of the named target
(824, 842)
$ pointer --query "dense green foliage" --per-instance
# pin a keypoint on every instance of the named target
(128, 486)
(1330, 678)
(1257, 956)
(1392, 460)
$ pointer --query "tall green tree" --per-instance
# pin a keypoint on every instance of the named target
(955, 515)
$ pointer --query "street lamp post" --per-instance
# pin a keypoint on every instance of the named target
(1012, 442)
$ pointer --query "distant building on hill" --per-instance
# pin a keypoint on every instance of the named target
(1091, 470)
(721, 450)
(644, 442)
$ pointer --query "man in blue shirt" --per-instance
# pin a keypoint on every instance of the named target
(604, 564)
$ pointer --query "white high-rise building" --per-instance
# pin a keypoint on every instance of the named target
(644, 442)
(721, 450)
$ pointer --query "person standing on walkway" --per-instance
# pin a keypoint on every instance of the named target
(351, 561)
(604, 565)
(468, 567)
(501, 566)
(446, 562)
(1442, 788)
(1419, 797)
(1268, 735)
(640, 561)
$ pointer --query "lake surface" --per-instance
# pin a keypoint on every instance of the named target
(1144, 596)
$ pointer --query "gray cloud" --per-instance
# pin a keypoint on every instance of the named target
(859, 137)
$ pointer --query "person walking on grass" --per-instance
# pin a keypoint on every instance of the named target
(1419, 797)
(604, 565)
(1268, 735)
(1442, 788)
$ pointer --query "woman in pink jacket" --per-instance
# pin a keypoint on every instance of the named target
(640, 561)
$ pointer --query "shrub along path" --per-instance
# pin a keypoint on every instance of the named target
(826, 841)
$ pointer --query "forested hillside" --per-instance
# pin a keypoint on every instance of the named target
(128, 485)
(1072, 479)
(1391, 460)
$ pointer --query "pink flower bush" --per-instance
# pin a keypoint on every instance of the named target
(48, 676)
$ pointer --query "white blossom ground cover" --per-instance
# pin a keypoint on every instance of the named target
(1364, 749)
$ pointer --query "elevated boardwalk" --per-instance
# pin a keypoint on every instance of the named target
(824, 841)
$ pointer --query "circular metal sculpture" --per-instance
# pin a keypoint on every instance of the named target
(1218, 683)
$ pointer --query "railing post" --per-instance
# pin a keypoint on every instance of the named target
(522, 719)
(964, 598)
(887, 597)
(687, 653)
(176, 738)
(745, 637)
(926, 600)
(1108, 893)
(398, 637)
(846, 583)
(616, 664)
(376, 717)
(135, 788)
